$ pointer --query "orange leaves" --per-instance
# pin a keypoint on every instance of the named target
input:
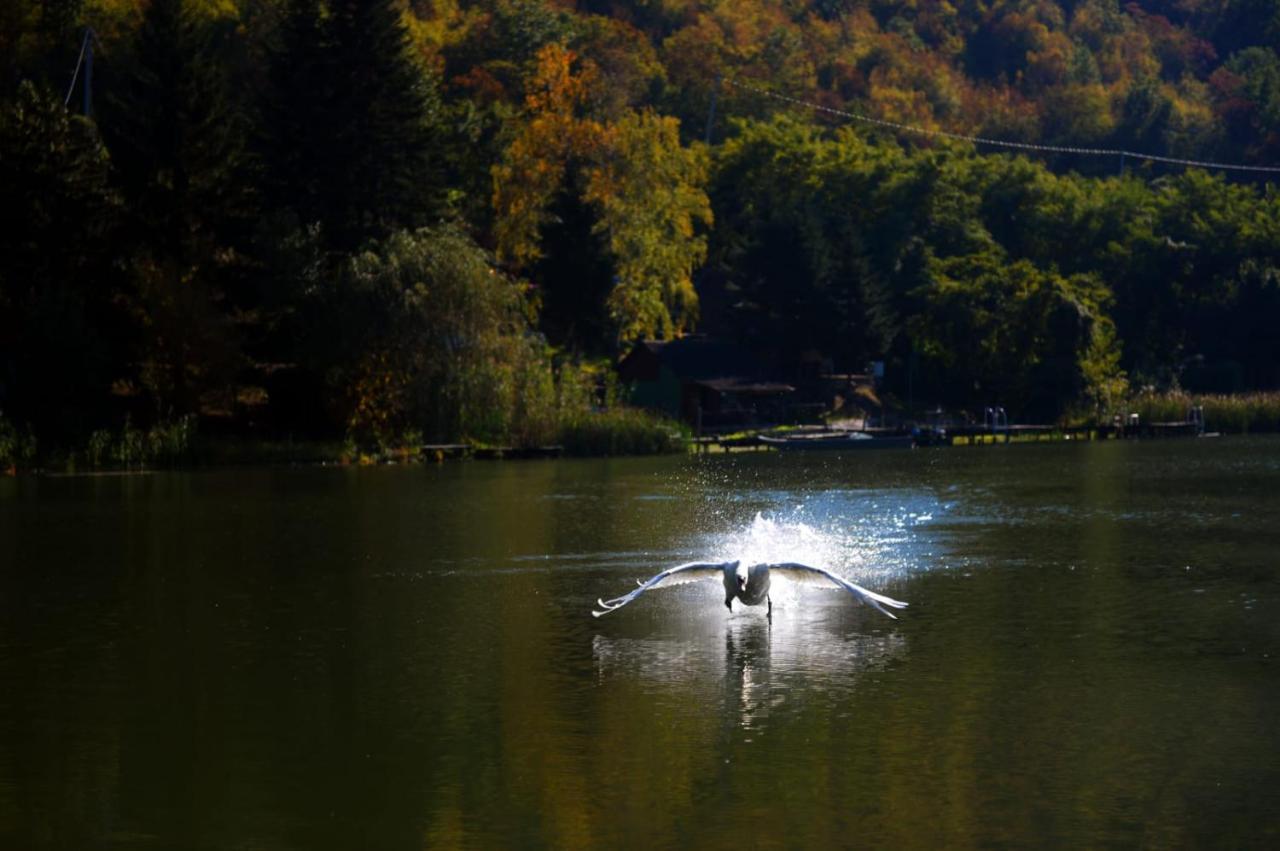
(533, 168)
(645, 186)
(556, 89)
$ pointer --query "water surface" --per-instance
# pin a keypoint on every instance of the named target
(405, 657)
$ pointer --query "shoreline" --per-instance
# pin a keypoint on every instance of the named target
(228, 455)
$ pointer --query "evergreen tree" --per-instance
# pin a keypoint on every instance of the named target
(294, 115)
(353, 138)
(179, 147)
(58, 326)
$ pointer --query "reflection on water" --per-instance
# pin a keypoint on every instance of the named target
(741, 660)
(405, 658)
(744, 665)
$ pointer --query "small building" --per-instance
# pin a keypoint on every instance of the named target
(706, 382)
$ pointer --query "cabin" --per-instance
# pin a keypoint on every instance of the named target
(708, 383)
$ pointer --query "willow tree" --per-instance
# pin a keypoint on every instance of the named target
(440, 344)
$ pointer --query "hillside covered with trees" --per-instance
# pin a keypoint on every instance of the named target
(440, 219)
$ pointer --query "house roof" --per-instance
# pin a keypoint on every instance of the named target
(697, 357)
(745, 386)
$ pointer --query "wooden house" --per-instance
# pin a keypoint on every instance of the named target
(706, 382)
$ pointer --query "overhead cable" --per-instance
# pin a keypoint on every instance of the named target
(999, 143)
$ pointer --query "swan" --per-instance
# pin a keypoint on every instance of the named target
(750, 584)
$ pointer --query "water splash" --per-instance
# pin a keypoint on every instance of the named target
(767, 539)
(862, 535)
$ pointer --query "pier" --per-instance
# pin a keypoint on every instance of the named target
(994, 430)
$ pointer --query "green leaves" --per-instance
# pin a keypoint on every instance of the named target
(440, 343)
(1019, 336)
(649, 191)
(866, 252)
(645, 187)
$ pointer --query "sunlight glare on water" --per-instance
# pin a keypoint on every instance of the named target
(361, 658)
(864, 536)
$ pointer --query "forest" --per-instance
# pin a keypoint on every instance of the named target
(389, 222)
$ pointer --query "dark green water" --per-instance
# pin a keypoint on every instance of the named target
(405, 658)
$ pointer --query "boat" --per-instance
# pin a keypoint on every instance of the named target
(839, 440)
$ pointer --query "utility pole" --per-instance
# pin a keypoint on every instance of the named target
(86, 61)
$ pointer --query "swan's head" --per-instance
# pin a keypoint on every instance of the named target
(741, 572)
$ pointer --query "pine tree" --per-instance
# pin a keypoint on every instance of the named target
(295, 114)
(178, 144)
(353, 132)
(57, 328)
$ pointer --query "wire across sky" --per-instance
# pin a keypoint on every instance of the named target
(998, 143)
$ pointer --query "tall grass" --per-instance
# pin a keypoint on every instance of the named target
(590, 419)
(619, 431)
(164, 444)
(1241, 413)
(17, 448)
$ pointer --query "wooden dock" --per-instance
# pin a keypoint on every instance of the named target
(980, 435)
(976, 435)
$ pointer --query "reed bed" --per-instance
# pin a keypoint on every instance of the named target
(1241, 413)
(619, 431)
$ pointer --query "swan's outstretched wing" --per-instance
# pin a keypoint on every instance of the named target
(817, 575)
(679, 575)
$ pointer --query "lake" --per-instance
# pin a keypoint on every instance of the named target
(405, 657)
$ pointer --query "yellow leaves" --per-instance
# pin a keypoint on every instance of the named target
(645, 185)
(434, 25)
(1078, 113)
(1049, 65)
(533, 168)
(114, 20)
(651, 201)
(906, 106)
(214, 9)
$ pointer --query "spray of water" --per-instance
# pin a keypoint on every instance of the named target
(770, 540)
(861, 535)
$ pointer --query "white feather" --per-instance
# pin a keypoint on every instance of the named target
(694, 571)
(809, 575)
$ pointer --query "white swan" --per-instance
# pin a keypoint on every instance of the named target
(750, 584)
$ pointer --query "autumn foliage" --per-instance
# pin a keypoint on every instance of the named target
(376, 218)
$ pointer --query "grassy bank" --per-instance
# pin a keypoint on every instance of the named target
(180, 444)
(1242, 413)
(620, 431)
